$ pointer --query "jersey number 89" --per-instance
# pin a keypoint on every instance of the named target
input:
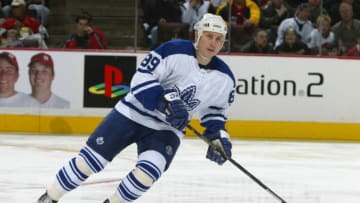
(150, 62)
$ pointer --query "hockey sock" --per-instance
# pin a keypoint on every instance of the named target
(149, 168)
(76, 171)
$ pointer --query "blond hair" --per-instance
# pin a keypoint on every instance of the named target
(323, 17)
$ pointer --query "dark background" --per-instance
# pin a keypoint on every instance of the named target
(94, 74)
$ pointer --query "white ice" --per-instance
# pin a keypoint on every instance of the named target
(299, 172)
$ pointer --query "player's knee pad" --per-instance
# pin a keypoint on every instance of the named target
(133, 186)
(151, 163)
(142, 177)
(149, 168)
(89, 161)
(81, 166)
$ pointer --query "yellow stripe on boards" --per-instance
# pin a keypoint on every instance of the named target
(48, 124)
(296, 130)
(238, 129)
(282, 130)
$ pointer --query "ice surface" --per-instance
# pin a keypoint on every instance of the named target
(299, 172)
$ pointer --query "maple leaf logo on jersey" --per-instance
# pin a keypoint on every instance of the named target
(187, 95)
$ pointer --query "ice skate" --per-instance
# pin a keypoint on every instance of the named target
(45, 199)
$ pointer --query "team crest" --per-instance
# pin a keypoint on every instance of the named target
(187, 95)
(169, 150)
(100, 140)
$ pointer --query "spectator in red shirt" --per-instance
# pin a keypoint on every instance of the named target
(28, 28)
(85, 35)
(355, 50)
(19, 19)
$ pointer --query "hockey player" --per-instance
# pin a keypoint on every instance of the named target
(173, 82)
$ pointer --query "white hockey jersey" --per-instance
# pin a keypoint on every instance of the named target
(206, 90)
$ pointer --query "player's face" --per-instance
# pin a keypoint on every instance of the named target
(8, 78)
(40, 77)
(210, 44)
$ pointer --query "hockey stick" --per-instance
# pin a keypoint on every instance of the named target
(236, 164)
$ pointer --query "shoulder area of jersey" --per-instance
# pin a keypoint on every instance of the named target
(218, 64)
(176, 46)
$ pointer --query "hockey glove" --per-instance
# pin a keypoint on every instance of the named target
(174, 108)
(220, 149)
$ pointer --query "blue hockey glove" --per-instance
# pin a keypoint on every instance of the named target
(174, 109)
(221, 141)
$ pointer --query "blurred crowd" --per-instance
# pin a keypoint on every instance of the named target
(24, 23)
(308, 27)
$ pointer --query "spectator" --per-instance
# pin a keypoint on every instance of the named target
(29, 39)
(272, 14)
(41, 76)
(322, 36)
(11, 39)
(214, 4)
(85, 36)
(159, 11)
(295, 3)
(19, 19)
(332, 6)
(355, 50)
(217, 3)
(316, 10)
(292, 44)
(332, 50)
(9, 74)
(41, 10)
(356, 6)
(347, 29)
(193, 11)
(244, 12)
(300, 22)
(22, 38)
(6, 8)
(259, 44)
(262, 3)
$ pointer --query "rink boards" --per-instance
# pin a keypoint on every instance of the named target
(276, 97)
(238, 129)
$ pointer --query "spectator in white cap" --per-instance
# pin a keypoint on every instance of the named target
(19, 18)
(7, 6)
(9, 74)
(41, 76)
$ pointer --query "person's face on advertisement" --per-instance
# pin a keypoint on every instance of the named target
(40, 76)
(8, 77)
